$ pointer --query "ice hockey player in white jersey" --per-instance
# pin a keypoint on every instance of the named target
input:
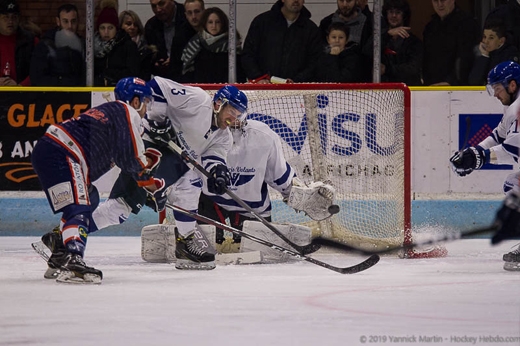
(503, 145)
(201, 130)
(199, 125)
(76, 152)
(255, 162)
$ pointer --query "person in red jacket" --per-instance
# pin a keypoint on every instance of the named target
(16, 46)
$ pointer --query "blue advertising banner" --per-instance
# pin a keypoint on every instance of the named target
(481, 126)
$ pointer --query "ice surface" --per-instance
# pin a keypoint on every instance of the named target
(465, 295)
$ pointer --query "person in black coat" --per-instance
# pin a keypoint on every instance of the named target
(401, 58)
(169, 21)
(448, 41)
(340, 60)
(205, 57)
(275, 48)
(58, 59)
(510, 14)
(494, 49)
(115, 54)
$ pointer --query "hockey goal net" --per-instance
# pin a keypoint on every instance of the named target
(356, 136)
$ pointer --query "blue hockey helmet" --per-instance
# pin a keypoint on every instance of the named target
(127, 88)
(230, 94)
(502, 74)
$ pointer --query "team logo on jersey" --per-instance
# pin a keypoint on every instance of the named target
(238, 179)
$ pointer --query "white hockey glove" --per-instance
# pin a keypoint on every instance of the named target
(470, 159)
(314, 200)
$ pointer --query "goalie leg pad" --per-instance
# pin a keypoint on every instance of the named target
(158, 243)
(158, 246)
(314, 200)
(298, 234)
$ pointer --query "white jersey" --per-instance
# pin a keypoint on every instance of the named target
(504, 142)
(190, 110)
(255, 161)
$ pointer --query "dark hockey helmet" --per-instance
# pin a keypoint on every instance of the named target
(502, 74)
(127, 88)
(230, 94)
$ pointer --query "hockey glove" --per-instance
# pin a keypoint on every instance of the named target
(159, 196)
(508, 219)
(154, 157)
(219, 180)
(160, 133)
(470, 159)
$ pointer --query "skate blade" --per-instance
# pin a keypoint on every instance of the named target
(51, 273)
(184, 264)
(512, 266)
(70, 277)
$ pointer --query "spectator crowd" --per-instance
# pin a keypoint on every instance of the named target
(188, 43)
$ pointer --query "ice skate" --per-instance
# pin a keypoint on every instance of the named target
(194, 251)
(512, 260)
(76, 271)
(54, 242)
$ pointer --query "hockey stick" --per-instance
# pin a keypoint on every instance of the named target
(444, 238)
(303, 250)
(466, 135)
(369, 262)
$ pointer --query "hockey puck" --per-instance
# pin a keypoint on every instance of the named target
(334, 209)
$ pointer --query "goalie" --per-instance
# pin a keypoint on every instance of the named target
(255, 161)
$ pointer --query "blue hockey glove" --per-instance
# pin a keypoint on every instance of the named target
(219, 180)
(470, 159)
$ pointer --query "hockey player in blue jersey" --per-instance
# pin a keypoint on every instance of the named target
(74, 153)
(503, 145)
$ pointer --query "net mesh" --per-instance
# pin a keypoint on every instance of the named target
(353, 138)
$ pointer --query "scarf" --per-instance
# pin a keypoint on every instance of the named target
(103, 48)
(215, 44)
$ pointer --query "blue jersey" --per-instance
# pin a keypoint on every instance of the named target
(102, 137)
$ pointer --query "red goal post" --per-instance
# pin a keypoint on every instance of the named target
(356, 136)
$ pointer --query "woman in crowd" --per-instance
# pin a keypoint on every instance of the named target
(131, 23)
(205, 57)
(115, 54)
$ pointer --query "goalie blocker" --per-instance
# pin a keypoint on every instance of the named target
(158, 243)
